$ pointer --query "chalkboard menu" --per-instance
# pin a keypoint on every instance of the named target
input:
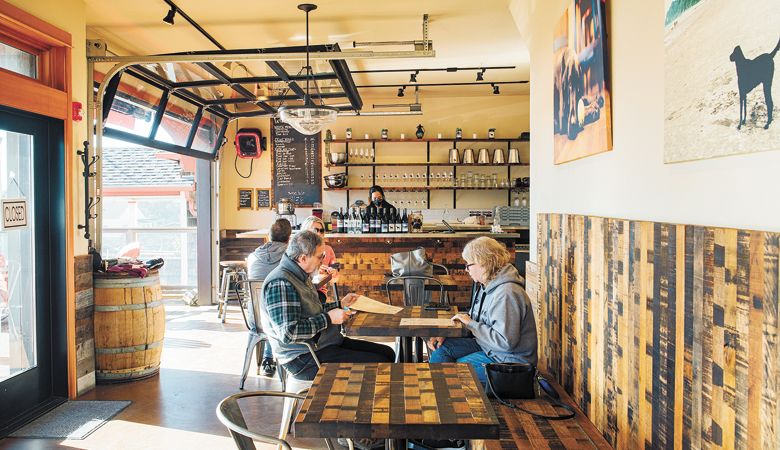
(297, 169)
(244, 198)
(262, 198)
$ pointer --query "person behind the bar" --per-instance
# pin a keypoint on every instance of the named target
(261, 262)
(292, 313)
(500, 319)
(376, 200)
(314, 223)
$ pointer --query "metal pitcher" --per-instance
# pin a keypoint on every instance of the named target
(514, 156)
(454, 156)
(498, 156)
(468, 156)
(483, 157)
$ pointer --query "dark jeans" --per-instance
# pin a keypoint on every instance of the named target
(350, 350)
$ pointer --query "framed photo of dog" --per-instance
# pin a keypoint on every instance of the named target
(582, 113)
(720, 61)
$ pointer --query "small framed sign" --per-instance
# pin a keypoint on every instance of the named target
(245, 197)
(14, 213)
(262, 198)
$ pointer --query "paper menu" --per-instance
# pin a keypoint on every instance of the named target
(426, 322)
(366, 304)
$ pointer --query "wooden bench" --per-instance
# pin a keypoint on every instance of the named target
(520, 430)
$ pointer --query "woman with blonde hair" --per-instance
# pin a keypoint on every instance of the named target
(316, 225)
(500, 319)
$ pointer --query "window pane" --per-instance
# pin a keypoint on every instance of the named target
(177, 122)
(18, 351)
(134, 106)
(18, 61)
(208, 132)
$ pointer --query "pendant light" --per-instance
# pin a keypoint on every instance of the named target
(309, 118)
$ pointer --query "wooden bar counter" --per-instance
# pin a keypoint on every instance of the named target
(365, 258)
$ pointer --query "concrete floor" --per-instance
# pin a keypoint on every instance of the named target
(201, 365)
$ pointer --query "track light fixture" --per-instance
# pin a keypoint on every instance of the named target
(479, 75)
(495, 89)
(413, 77)
(401, 91)
(169, 17)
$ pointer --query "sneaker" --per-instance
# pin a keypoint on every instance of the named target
(432, 444)
(363, 444)
(268, 367)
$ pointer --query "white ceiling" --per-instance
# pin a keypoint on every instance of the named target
(465, 33)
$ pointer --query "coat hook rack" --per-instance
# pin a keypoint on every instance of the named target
(89, 202)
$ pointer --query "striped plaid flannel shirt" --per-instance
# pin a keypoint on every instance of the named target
(284, 311)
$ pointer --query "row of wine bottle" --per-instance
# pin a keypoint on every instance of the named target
(370, 221)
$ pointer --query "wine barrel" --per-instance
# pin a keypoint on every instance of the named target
(129, 326)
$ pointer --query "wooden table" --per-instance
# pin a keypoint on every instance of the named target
(371, 324)
(392, 401)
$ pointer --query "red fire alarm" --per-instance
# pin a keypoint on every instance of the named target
(249, 142)
(76, 112)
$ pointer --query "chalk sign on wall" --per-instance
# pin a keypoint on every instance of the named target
(245, 198)
(262, 198)
(297, 169)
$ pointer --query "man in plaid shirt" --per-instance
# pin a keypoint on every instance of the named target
(291, 313)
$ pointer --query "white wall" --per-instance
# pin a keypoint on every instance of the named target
(632, 181)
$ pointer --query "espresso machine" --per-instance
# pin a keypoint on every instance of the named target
(285, 209)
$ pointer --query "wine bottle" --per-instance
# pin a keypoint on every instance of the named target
(391, 221)
(334, 222)
(385, 223)
(357, 225)
(366, 224)
(404, 223)
(398, 224)
(340, 222)
(372, 220)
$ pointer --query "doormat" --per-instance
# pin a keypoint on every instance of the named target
(72, 420)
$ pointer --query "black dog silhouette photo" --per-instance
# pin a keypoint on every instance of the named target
(719, 78)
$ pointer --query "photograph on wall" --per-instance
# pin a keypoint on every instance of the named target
(720, 58)
(582, 117)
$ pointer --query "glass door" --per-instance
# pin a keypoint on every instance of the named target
(30, 247)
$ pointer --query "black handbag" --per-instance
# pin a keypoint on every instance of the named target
(517, 381)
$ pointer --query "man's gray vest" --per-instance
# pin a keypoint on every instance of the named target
(291, 272)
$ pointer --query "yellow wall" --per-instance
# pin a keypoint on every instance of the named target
(508, 114)
(69, 15)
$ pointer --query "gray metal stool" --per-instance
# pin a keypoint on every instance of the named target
(232, 273)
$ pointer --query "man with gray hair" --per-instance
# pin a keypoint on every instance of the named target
(292, 313)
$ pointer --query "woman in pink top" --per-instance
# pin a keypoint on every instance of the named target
(316, 224)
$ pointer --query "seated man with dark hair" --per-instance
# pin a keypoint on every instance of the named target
(261, 262)
(292, 313)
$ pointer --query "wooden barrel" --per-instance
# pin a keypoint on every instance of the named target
(129, 326)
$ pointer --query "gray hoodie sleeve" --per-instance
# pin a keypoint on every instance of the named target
(499, 327)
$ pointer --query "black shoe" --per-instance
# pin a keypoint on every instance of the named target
(268, 367)
(431, 444)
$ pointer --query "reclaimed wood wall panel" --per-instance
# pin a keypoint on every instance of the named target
(664, 335)
(85, 329)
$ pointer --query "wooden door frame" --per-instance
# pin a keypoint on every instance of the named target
(49, 95)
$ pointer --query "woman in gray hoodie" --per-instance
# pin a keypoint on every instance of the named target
(500, 319)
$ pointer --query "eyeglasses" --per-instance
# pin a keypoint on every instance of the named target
(319, 230)
(469, 265)
(320, 257)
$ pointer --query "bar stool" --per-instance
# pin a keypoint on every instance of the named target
(232, 272)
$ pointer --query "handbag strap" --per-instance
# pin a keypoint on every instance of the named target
(550, 397)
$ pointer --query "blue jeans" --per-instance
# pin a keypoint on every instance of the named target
(462, 350)
(267, 354)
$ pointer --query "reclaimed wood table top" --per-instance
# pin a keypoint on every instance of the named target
(373, 324)
(447, 281)
(397, 401)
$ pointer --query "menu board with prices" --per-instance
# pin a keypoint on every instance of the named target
(262, 198)
(297, 169)
(245, 198)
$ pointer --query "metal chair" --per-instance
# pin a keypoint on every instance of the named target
(257, 338)
(414, 294)
(232, 273)
(229, 413)
(293, 385)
